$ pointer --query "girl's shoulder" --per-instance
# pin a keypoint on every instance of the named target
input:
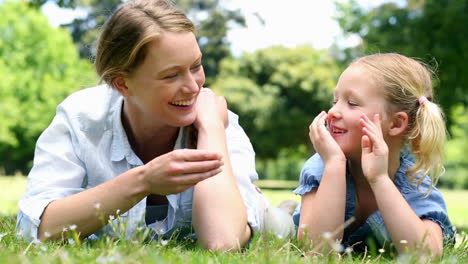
(311, 174)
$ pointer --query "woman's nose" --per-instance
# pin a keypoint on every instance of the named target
(190, 84)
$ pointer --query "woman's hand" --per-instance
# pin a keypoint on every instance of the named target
(374, 149)
(211, 109)
(179, 170)
(323, 142)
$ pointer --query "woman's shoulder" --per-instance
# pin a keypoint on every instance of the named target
(90, 99)
(91, 106)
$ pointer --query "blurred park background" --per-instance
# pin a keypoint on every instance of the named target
(275, 90)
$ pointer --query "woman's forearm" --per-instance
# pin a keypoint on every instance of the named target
(89, 210)
(219, 213)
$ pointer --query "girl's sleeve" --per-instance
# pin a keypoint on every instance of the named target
(310, 177)
(431, 207)
(311, 174)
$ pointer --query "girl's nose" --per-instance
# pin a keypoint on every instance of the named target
(334, 112)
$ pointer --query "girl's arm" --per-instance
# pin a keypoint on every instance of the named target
(219, 214)
(323, 208)
(401, 221)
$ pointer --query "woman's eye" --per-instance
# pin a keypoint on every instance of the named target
(170, 76)
(352, 103)
(196, 67)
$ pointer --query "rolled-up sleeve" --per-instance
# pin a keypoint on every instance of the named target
(57, 172)
(242, 158)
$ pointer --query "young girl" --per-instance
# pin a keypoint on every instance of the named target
(379, 152)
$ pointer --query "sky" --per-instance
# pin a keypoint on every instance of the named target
(288, 23)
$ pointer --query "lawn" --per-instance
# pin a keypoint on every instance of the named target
(263, 249)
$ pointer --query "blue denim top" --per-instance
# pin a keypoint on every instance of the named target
(431, 207)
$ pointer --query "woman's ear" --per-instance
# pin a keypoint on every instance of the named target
(120, 85)
(399, 124)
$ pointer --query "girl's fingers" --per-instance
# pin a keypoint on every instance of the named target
(377, 121)
(314, 127)
(366, 145)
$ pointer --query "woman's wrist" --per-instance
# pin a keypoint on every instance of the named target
(140, 188)
(210, 127)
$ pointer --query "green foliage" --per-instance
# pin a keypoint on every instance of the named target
(212, 22)
(85, 30)
(429, 29)
(61, 3)
(456, 164)
(277, 92)
(40, 67)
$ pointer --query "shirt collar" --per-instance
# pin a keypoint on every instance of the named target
(120, 147)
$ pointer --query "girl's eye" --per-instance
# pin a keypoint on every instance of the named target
(334, 102)
(351, 103)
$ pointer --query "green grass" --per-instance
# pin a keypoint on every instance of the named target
(11, 190)
(263, 249)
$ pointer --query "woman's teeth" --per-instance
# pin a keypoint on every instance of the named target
(183, 102)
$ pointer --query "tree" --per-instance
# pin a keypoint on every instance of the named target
(212, 22)
(61, 3)
(39, 66)
(277, 92)
(426, 29)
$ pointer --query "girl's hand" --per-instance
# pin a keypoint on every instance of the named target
(211, 109)
(323, 142)
(374, 157)
(179, 170)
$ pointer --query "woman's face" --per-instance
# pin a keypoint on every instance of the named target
(164, 88)
(356, 93)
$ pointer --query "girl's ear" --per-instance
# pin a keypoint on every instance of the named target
(399, 124)
(120, 85)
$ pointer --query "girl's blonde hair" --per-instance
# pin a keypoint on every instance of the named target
(405, 81)
(122, 43)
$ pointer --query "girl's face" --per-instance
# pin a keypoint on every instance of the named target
(356, 93)
(164, 88)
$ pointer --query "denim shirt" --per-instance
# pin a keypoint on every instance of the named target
(431, 207)
(86, 145)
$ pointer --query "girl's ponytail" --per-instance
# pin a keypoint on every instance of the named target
(427, 138)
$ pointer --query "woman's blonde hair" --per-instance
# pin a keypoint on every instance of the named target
(122, 43)
(405, 81)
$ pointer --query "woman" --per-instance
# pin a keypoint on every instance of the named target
(122, 148)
